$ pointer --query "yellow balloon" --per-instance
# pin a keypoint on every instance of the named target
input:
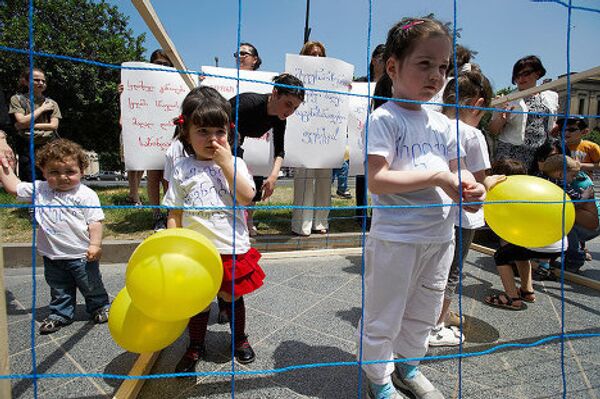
(174, 274)
(527, 224)
(134, 331)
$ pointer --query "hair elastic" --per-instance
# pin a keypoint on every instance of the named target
(411, 24)
(180, 120)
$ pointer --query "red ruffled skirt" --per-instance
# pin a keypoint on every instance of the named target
(249, 275)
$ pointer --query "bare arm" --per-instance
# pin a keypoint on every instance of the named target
(243, 190)
(174, 218)
(23, 121)
(95, 248)
(269, 184)
(7, 157)
(9, 180)
(382, 180)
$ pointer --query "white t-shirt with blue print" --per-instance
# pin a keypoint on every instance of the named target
(412, 141)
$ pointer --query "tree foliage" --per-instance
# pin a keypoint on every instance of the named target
(87, 94)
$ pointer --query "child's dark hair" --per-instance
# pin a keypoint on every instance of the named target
(203, 106)
(508, 167)
(463, 56)
(160, 53)
(531, 61)
(543, 152)
(472, 85)
(573, 120)
(289, 80)
(401, 41)
(378, 52)
(59, 150)
(254, 52)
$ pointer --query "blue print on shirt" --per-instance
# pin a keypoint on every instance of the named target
(418, 152)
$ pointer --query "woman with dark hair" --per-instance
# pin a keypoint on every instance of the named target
(520, 134)
(248, 57)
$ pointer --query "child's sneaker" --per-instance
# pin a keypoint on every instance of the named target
(385, 391)
(100, 316)
(418, 385)
(50, 326)
(446, 336)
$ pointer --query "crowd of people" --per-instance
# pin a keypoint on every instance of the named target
(412, 265)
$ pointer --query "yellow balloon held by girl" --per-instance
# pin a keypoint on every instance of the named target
(535, 218)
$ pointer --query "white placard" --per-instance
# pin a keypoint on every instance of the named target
(258, 152)
(356, 125)
(315, 136)
(149, 103)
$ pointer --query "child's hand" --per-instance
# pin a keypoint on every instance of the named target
(94, 252)
(222, 155)
(448, 182)
(588, 193)
(473, 192)
(490, 181)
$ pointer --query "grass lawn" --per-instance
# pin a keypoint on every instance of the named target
(133, 223)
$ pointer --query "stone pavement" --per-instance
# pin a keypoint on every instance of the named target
(307, 313)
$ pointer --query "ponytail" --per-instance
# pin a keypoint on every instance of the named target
(383, 88)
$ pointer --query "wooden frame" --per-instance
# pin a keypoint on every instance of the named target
(147, 12)
(5, 387)
(576, 77)
(130, 389)
(571, 277)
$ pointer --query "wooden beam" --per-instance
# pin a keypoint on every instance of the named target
(5, 387)
(130, 389)
(571, 277)
(576, 77)
(147, 12)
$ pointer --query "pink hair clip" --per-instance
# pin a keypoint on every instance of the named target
(412, 23)
(180, 120)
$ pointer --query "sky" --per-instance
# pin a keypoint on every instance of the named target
(501, 31)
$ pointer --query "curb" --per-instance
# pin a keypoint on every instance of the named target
(118, 251)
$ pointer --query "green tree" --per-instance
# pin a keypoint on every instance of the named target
(86, 94)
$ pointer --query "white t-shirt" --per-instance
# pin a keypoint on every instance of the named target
(197, 183)
(63, 232)
(552, 248)
(173, 154)
(475, 158)
(412, 140)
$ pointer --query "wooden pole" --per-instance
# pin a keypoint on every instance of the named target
(4, 365)
(576, 77)
(572, 277)
(147, 12)
(130, 389)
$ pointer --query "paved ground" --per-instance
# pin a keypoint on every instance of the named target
(307, 313)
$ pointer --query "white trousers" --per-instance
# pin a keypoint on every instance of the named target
(404, 291)
(312, 187)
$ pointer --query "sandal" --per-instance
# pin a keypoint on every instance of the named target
(50, 326)
(101, 316)
(502, 300)
(527, 296)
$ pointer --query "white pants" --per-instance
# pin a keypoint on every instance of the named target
(312, 187)
(404, 290)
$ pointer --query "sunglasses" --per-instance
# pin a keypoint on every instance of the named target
(162, 63)
(524, 74)
(241, 54)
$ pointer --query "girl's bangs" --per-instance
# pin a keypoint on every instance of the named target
(210, 116)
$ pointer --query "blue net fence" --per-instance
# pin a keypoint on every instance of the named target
(562, 336)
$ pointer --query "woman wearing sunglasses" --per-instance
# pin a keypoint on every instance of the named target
(521, 134)
(248, 56)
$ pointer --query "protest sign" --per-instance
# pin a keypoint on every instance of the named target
(356, 124)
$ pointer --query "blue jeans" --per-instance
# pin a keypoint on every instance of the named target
(342, 177)
(64, 276)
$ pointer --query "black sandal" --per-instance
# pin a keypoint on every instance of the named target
(50, 326)
(502, 300)
(527, 296)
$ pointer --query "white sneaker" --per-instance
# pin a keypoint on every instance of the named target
(446, 336)
(419, 386)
